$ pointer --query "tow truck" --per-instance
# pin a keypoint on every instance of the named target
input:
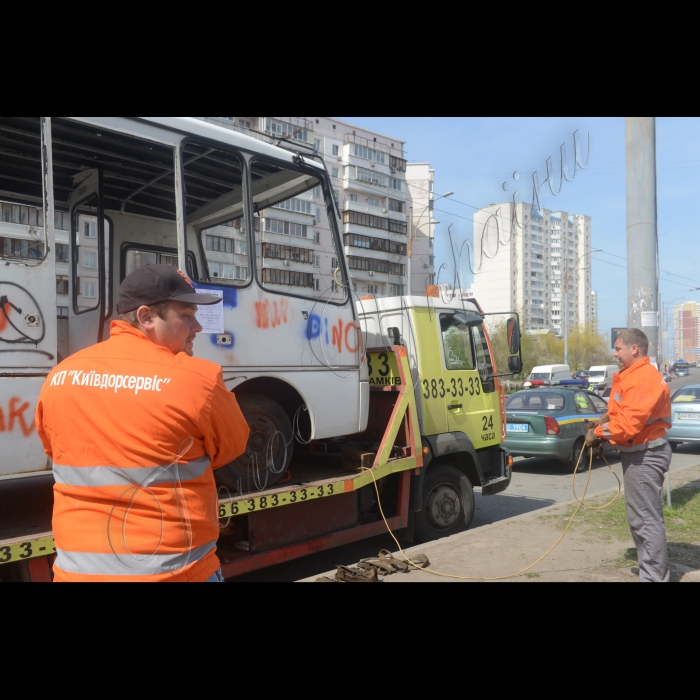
(436, 428)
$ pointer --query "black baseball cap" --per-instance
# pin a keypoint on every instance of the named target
(153, 284)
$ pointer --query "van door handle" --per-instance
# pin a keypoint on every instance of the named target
(455, 407)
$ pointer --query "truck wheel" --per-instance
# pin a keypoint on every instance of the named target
(575, 454)
(448, 504)
(269, 451)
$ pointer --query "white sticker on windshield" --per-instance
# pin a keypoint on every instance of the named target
(211, 318)
(551, 408)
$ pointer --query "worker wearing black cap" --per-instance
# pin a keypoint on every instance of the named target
(135, 427)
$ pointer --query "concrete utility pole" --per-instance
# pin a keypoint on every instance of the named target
(642, 234)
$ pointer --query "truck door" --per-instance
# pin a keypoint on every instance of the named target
(90, 304)
(27, 288)
(470, 409)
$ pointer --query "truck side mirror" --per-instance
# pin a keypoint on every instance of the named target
(513, 330)
(515, 364)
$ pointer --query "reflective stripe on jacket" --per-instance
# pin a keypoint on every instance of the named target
(135, 433)
(639, 409)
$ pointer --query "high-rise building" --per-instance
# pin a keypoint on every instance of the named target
(686, 331)
(368, 175)
(538, 262)
(421, 199)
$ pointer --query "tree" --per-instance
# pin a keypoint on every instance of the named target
(587, 348)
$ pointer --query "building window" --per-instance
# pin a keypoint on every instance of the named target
(380, 244)
(288, 277)
(396, 184)
(317, 261)
(397, 290)
(90, 260)
(301, 206)
(372, 202)
(61, 285)
(90, 290)
(336, 150)
(372, 289)
(370, 265)
(222, 271)
(317, 192)
(317, 284)
(19, 248)
(353, 198)
(285, 130)
(90, 230)
(241, 247)
(396, 205)
(61, 252)
(370, 154)
(371, 177)
(287, 252)
(371, 221)
(336, 172)
(218, 244)
(286, 228)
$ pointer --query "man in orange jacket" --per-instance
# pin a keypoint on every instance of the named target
(639, 414)
(136, 427)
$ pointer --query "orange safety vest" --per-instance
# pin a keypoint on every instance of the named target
(639, 409)
(135, 433)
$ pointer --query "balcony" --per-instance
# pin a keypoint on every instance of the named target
(295, 128)
(356, 218)
(395, 154)
(349, 205)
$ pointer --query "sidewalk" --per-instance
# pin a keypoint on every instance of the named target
(598, 546)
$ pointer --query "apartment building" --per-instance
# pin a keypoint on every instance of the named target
(420, 178)
(686, 324)
(369, 176)
(535, 261)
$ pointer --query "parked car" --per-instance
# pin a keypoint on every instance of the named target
(686, 416)
(552, 422)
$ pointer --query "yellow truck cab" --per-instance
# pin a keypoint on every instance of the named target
(461, 404)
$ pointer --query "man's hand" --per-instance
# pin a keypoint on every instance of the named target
(592, 440)
(602, 421)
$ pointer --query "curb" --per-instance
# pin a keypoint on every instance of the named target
(525, 516)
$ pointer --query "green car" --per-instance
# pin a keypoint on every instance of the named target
(551, 422)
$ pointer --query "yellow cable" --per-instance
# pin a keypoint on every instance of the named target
(542, 558)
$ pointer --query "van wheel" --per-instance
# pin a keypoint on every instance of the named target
(448, 504)
(269, 451)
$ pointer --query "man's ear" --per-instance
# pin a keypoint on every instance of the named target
(144, 316)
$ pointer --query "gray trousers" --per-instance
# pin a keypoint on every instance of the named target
(644, 482)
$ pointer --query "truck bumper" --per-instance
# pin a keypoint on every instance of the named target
(500, 483)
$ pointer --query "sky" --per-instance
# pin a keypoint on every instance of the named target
(474, 157)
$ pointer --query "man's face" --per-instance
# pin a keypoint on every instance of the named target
(626, 355)
(178, 329)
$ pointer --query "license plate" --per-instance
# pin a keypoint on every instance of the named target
(689, 416)
(518, 428)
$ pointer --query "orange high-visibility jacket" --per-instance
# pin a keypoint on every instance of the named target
(135, 433)
(639, 409)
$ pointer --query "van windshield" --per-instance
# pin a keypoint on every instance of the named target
(540, 376)
(596, 375)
